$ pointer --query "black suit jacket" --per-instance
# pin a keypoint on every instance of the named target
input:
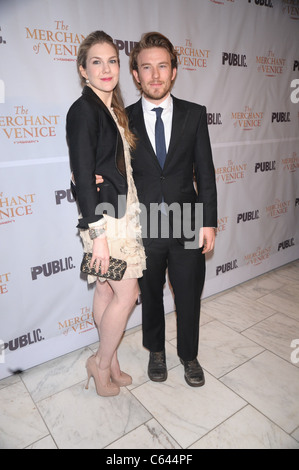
(96, 147)
(189, 154)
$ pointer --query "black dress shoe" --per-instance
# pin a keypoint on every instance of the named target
(194, 374)
(157, 370)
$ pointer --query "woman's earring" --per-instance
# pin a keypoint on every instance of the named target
(86, 81)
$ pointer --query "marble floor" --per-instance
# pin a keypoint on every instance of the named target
(249, 349)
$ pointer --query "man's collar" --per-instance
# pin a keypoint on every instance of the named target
(148, 106)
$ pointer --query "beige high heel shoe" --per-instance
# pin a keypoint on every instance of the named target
(108, 390)
(123, 380)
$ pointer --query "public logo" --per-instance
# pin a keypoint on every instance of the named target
(281, 117)
(60, 43)
(63, 194)
(2, 40)
(214, 119)
(265, 166)
(124, 45)
(52, 267)
(259, 255)
(231, 172)
(27, 339)
(248, 216)
(192, 57)
(23, 127)
(278, 208)
(270, 65)
(247, 120)
(14, 207)
(225, 268)
(262, 3)
(80, 323)
(286, 244)
(234, 60)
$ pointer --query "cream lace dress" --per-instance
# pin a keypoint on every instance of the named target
(124, 234)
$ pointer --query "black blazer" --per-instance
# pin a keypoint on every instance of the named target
(189, 154)
(96, 147)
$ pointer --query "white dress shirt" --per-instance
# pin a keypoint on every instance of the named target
(150, 119)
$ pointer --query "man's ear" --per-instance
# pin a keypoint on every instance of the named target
(174, 72)
(136, 76)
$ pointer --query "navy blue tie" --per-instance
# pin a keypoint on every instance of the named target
(160, 137)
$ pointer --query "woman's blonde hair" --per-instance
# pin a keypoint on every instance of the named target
(100, 37)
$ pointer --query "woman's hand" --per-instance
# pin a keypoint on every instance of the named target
(99, 180)
(100, 254)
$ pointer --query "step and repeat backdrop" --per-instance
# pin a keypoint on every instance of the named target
(239, 58)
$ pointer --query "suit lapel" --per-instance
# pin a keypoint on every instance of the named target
(139, 129)
(179, 119)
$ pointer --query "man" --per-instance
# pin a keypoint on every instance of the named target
(153, 63)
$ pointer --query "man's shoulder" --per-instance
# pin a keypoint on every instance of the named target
(133, 107)
(187, 104)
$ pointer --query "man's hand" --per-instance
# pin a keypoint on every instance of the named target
(207, 239)
(99, 180)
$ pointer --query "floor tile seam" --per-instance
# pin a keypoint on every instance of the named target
(289, 362)
(144, 424)
(223, 323)
(220, 423)
(294, 430)
(220, 377)
(245, 399)
(127, 433)
(243, 333)
(234, 368)
(75, 384)
(273, 422)
(38, 440)
(267, 318)
(248, 404)
(50, 434)
(40, 414)
(260, 301)
(160, 423)
(254, 357)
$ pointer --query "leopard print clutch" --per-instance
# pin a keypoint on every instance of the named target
(116, 270)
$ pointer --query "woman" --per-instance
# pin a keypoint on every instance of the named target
(99, 142)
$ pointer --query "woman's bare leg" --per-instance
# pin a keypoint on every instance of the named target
(113, 303)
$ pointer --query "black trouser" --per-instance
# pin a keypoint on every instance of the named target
(186, 270)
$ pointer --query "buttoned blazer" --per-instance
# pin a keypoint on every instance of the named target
(189, 155)
(96, 147)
